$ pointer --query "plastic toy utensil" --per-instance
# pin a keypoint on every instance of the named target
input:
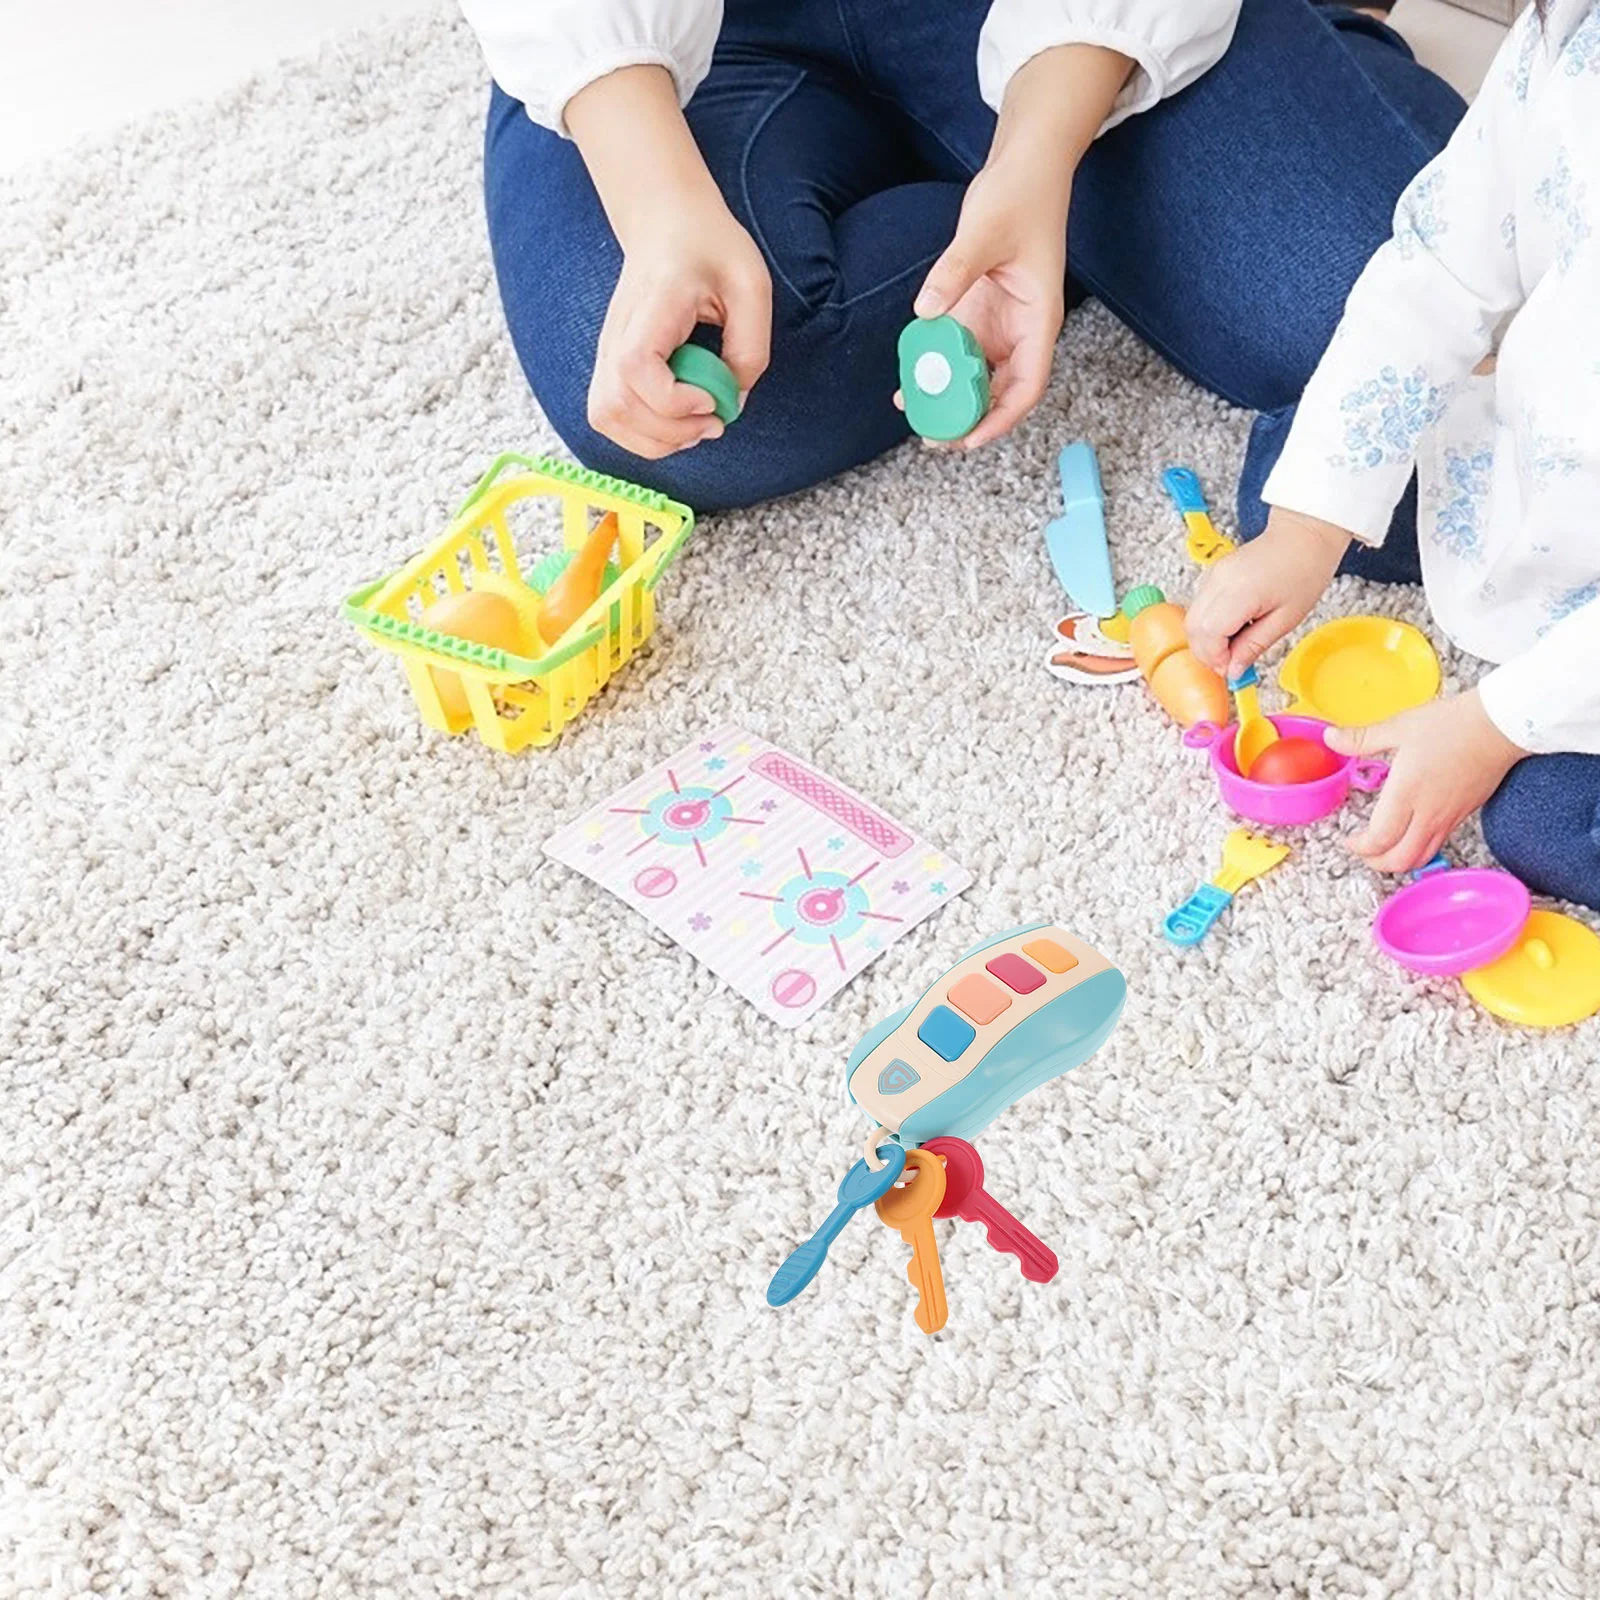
(1550, 977)
(859, 1188)
(1255, 732)
(1294, 761)
(580, 583)
(965, 1197)
(1355, 671)
(1076, 540)
(909, 1211)
(700, 368)
(1246, 856)
(944, 378)
(1203, 543)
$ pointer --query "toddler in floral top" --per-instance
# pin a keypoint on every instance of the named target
(1470, 351)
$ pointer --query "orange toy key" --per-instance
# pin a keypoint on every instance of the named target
(909, 1210)
(580, 583)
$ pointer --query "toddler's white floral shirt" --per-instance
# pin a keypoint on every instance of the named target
(1501, 232)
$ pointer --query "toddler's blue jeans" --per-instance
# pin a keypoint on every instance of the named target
(1225, 226)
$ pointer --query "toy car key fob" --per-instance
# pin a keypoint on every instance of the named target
(1011, 1014)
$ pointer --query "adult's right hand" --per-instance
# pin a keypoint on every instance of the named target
(707, 268)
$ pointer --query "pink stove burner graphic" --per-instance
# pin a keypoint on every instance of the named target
(691, 816)
(821, 907)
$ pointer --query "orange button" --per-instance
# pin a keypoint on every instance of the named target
(1050, 954)
(978, 998)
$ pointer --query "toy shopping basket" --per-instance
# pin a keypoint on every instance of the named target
(515, 701)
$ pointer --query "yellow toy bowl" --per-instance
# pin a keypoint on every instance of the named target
(516, 701)
(1355, 671)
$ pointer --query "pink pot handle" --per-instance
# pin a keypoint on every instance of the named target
(1202, 735)
(1368, 774)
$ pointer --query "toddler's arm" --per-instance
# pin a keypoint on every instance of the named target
(1420, 318)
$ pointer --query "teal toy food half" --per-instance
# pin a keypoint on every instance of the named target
(1011, 1014)
(700, 368)
(944, 379)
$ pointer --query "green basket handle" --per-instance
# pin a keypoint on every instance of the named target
(508, 458)
(511, 458)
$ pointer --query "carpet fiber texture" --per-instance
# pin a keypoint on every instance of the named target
(388, 1212)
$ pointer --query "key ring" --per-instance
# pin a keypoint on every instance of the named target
(869, 1149)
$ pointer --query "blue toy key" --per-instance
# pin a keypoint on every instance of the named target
(1076, 540)
(858, 1189)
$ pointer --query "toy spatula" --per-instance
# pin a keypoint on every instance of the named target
(1203, 542)
(1076, 540)
(1245, 857)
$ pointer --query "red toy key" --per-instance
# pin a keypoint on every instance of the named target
(965, 1197)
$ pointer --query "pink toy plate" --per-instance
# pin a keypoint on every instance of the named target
(1451, 922)
(1283, 804)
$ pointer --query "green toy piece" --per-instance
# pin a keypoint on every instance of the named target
(704, 369)
(944, 379)
(1141, 598)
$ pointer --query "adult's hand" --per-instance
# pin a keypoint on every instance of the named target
(686, 260)
(1004, 274)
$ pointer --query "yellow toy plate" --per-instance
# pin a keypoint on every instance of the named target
(1355, 671)
(1549, 978)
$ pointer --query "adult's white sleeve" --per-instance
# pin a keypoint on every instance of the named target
(542, 52)
(1172, 42)
(1420, 318)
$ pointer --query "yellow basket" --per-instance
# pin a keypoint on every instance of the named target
(517, 701)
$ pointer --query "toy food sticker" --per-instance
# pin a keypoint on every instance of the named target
(782, 881)
(1083, 653)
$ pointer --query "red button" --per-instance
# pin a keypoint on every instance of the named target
(1015, 973)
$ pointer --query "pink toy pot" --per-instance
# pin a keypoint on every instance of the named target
(1283, 804)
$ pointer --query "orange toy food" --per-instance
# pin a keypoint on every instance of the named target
(579, 585)
(1294, 761)
(1189, 690)
(481, 618)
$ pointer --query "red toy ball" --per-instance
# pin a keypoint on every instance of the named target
(1294, 761)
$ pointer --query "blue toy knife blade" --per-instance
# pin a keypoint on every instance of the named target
(1076, 540)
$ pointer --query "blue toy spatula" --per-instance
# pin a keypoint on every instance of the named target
(1076, 539)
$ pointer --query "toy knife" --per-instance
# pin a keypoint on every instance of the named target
(1076, 540)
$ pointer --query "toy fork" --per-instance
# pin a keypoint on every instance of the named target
(1246, 856)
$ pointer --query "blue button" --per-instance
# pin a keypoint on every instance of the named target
(945, 1033)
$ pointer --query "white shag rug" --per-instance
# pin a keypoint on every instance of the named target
(388, 1212)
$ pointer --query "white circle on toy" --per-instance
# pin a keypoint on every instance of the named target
(932, 372)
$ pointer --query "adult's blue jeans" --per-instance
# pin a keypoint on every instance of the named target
(1225, 226)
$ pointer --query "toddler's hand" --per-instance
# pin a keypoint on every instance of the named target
(1250, 599)
(703, 268)
(1448, 759)
(1003, 278)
